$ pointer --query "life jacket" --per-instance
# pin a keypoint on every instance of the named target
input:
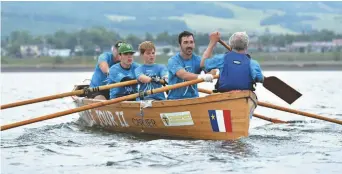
(236, 73)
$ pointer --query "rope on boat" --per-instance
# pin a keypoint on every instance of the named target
(142, 114)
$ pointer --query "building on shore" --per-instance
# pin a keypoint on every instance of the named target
(319, 47)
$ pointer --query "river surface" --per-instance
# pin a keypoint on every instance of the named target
(60, 145)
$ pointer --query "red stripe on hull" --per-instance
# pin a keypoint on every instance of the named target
(227, 120)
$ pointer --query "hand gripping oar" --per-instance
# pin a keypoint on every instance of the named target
(276, 86)
(273, 120)
(102, 103)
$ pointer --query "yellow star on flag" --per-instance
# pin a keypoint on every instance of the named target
(212, 117)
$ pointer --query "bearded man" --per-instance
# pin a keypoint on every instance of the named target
(185, 66)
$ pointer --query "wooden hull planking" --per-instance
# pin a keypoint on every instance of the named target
(224, 116)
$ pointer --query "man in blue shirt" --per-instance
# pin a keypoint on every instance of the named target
(105, 61)
(237, 70)
(123, 71)
(149, 74)
(185, 66)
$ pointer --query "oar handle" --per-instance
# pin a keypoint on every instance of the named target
(115, 85)
(225, 45)
(102, 103)
(205, 91)
(299, 112)
(67, 94)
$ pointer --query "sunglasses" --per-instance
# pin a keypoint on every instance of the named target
(119, 44)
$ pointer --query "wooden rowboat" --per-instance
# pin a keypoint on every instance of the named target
(221, 116)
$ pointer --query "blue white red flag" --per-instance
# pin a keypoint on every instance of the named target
(220, 120)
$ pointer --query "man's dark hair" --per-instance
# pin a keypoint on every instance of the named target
(184, 34)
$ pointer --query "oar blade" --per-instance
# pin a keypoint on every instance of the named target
(281, 89)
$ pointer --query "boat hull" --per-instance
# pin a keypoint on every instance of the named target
(222, 116)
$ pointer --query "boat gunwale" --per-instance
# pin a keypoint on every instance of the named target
(215, 97)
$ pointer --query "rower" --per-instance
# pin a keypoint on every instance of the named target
(105, 61)
(150, 73)
(185, 66)
(238, 71)
(123, 71)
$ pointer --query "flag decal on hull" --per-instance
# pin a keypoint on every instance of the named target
(220, 120)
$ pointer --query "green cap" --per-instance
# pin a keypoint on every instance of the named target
(126, 48)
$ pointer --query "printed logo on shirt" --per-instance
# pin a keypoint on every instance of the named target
(188, 68)
(129, 89)
(236, 62)
(150, 73)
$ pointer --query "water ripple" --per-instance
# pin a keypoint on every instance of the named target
(67, 146)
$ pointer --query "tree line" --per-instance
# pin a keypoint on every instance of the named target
(95, 37)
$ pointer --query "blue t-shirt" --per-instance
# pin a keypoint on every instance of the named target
(99, 77)
(151, 70)
(177, 63)
(217, 61)
(116, 74)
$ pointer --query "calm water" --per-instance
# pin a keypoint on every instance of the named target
(61, 146)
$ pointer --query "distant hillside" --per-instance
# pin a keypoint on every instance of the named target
(155, 17)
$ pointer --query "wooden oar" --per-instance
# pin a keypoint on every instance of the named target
(67, 94)
(276, 86)
(99, 104)
(206, 91)
(282, 109)
(273, 120)
(299, 112)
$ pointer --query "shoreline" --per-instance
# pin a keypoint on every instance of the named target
(267, 66)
